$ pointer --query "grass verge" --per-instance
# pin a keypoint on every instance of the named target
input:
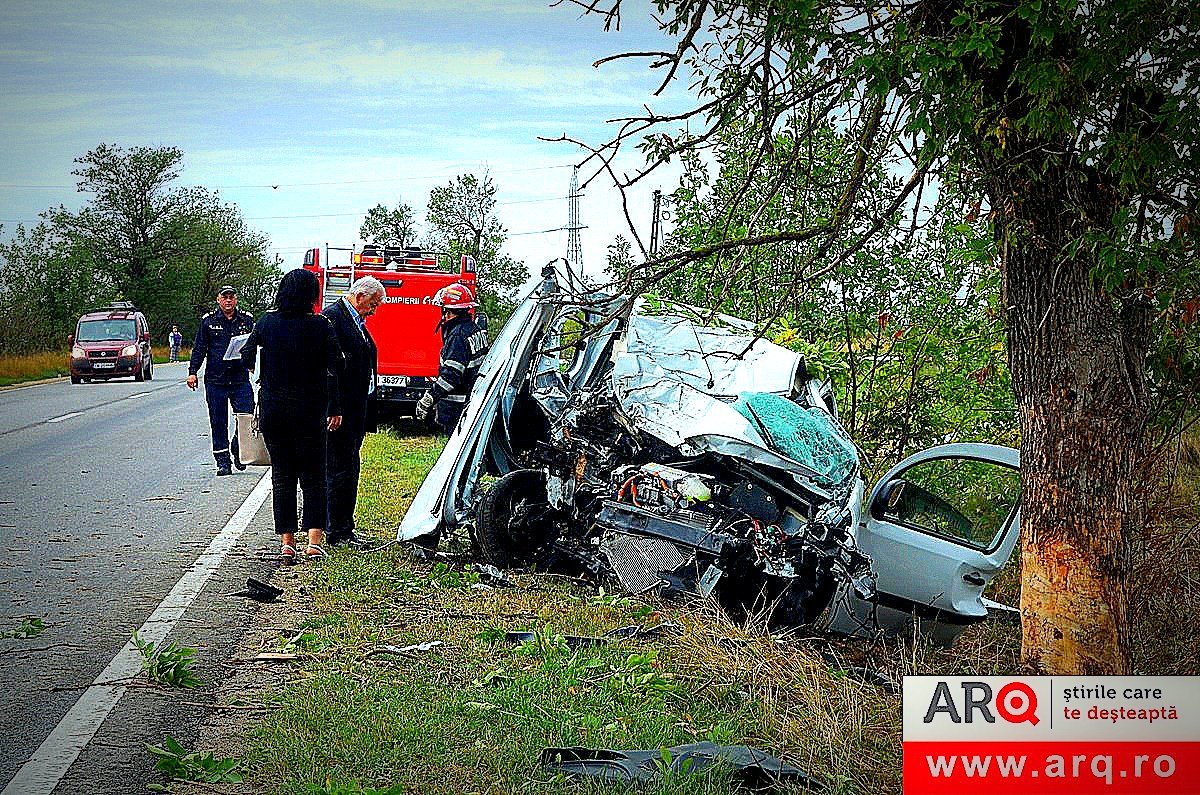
(473, 713)
(32, 367)
(54, 364)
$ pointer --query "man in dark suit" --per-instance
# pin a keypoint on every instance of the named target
(356, 382)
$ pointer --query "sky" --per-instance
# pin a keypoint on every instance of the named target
(306, 114)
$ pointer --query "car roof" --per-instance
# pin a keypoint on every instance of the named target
(110, 314)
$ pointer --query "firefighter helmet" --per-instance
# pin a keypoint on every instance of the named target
(455, 296)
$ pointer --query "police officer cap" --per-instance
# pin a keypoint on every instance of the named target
(227, 289)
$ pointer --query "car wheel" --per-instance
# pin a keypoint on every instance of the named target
(75, 379)
(150, 371)
(515, 522)
(139, 374)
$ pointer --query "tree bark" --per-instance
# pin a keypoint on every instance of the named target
(1077, 356)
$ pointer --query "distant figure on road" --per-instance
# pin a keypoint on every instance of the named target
(464, 344)
(174, 339)
(355, 385)
(298, 405)
(226, 382)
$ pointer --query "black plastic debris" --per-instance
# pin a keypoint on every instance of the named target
(632, 632)
(869, 677)
(640, 632)
(573, 641)
(430, 555)
(752, 767)
(865, 675)
(259, 591)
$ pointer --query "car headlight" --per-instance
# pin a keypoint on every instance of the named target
(129, 350)
(78, 353)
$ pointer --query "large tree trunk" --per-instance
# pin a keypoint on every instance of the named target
(1077, 355)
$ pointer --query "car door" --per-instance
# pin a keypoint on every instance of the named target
(938, 527)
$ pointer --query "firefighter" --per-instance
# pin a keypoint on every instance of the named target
(225, 382)
(464, 344)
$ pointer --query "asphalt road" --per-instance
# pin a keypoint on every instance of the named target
(108, 495)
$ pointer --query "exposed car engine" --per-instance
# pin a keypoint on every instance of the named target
(596, 493)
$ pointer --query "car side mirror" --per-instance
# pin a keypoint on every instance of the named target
(887, 502)
(70, 340)
(146, 337)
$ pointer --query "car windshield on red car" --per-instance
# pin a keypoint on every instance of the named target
(103, 330)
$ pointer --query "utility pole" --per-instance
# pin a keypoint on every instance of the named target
(574, 247)
(656, 224)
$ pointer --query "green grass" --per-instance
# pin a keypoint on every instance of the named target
(473, 714)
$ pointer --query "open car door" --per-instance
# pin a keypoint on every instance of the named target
(938, 527)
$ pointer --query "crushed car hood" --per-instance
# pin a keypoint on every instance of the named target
(679, 381)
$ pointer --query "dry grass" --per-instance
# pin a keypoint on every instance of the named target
(1165, 592)
(32, 367)
(54, 364)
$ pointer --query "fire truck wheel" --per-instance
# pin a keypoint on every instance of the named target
(514, 522)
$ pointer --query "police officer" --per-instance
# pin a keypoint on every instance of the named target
(464, 344)
(225, 381)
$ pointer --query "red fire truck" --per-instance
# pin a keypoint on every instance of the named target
(405, 325)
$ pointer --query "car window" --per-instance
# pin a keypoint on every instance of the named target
(111, 329)
(965, 500)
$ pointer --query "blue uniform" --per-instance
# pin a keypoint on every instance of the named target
(226, 383)
(464, 346)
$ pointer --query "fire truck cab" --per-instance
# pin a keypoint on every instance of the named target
(405, 325)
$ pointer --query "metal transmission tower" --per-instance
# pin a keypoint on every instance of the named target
(574, 247)
(656, 224)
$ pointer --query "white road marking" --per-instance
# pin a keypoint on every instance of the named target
(138, 395)
(47, 766)
(65, 416)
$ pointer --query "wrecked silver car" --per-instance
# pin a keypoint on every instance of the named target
(629, 441)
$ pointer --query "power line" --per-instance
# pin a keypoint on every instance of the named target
(317, 215)
(277, 185)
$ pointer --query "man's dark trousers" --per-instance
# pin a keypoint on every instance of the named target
(219, 398)
(343, 467)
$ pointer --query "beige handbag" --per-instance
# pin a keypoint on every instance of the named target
(252, 447)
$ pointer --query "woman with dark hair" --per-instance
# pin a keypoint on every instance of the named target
(298, 405)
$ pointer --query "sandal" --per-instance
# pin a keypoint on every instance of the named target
(289, 553)
(314, 552)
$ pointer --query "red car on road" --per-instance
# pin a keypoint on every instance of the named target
(110, 343)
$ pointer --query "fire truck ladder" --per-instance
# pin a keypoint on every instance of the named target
(334, 286)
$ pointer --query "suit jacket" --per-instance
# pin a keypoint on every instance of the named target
(361, 360)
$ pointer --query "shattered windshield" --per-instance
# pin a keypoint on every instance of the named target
(807, 435)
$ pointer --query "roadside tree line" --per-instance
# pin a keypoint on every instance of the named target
(460, 219)
(141, 237)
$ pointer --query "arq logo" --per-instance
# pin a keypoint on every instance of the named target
(1015, 702)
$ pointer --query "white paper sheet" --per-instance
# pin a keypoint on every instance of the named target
(236, 343)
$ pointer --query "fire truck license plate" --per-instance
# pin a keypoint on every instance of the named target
(393, 380)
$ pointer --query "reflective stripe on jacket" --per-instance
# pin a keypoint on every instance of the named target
(464, 346)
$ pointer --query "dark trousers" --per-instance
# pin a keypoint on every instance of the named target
(345, 445)
(219, 398)
(297, 457)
